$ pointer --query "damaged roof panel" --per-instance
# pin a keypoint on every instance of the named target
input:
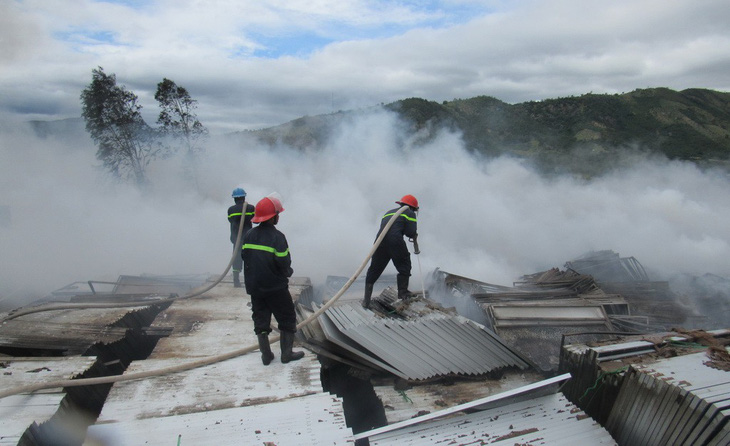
(18, 412)
(419, 349)
(241, 381)
(669, 393)
(66, 332)
(543, 419)
(314, 419)
(679, 400)
(233, 401)
(532, 414)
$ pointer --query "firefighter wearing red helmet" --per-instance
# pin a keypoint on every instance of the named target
(393, 248)
(266, 272)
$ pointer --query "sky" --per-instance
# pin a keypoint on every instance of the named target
(253, 64)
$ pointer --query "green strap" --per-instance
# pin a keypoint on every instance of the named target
(267, 249)
(402, 215)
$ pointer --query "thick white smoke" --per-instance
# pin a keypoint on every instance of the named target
(489, 220)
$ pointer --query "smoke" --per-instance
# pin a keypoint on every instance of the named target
(491, 220)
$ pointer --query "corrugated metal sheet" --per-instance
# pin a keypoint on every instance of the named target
(18, 412)
(67, 332)
(532, 316)
(419, 349)
(311, 420)
(241, 381)
(156, 284)
(535, 328)
(681, 400)
(548, 420)
(608, 266)
(238, 401)
(522, 416)
(405, 403)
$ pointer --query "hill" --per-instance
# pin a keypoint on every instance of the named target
(583, 134)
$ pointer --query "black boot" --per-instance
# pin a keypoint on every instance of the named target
(266, 354)
(287, 342)
(368, 294)
(403, 293)
(236, 280)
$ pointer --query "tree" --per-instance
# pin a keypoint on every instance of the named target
(179, 122)
(113, 119)
(177, 116)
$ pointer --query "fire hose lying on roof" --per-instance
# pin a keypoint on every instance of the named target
(194, 293)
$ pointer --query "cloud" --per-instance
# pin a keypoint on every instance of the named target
(253, 64)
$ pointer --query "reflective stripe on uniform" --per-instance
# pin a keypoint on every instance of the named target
(266, 248)
(402, 215)
(235, 215)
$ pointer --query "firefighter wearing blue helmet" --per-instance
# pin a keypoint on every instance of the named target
(235, 213)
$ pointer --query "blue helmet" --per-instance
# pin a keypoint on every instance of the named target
(238, 192)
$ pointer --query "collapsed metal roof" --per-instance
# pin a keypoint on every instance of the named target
(435, 344)
(230, 402)
(680, 400)
(314, 420)
(417, 341)
(608, 266)
(69, 332)
(533, 414)
(18, 412)
(656, 389)
(649, 298)
(533, 316)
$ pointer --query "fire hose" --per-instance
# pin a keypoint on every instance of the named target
(202, 362)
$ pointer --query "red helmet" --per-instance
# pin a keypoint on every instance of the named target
(409, 200)
(267, 208)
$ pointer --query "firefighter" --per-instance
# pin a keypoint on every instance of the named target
(235, 213)
(266, 272)
(393, 248)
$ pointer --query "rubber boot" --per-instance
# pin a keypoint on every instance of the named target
(287, 342)
(368, 294)
(266, 354)
(403, 293)
(236, 279)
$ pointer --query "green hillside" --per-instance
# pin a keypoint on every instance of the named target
(583, 134)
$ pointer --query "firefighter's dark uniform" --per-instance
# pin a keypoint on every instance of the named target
(266, 272)
(235, 213)
(394, 248)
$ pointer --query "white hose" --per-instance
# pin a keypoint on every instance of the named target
(212, 359)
